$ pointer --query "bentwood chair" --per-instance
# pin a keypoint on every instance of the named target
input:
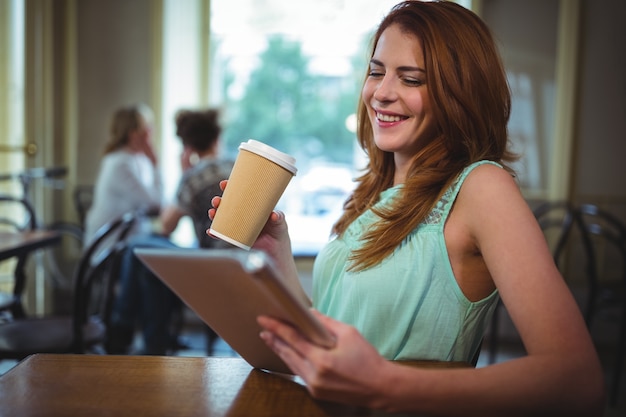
(16, 215)
(85, 329)
(604, 243)
(556, 219)
(24, 219)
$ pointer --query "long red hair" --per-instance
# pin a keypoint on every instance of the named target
(471, 103)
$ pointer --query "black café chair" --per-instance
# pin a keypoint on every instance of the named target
(556, 219)
(604, 243)
(17, 215)
(85, 329)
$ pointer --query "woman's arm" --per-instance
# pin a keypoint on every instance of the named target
(169, 218)
(561, 374)
(561, 369)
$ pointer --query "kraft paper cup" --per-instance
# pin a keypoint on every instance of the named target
(258, 179)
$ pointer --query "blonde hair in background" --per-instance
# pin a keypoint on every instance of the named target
(124, 121)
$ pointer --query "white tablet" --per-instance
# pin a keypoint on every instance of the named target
(228, 289)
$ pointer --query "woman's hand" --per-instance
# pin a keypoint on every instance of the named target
(140, 140)
(274, 237)
(350, 372)
(149, 151)
(274, 241)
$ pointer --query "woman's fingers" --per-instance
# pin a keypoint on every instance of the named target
(289, 335)
(215, 201)
(288, 344)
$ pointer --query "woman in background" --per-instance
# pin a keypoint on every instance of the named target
(129, 179)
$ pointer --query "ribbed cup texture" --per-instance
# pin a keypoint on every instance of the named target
(254, 187)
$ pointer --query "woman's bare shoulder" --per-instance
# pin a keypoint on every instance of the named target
(490, 195)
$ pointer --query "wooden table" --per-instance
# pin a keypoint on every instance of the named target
(16, 244)
(144, 386)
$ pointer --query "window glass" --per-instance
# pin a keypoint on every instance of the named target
(11, 112)
(530, 63)
(12, 91)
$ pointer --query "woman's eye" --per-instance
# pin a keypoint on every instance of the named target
(413, 81)
(374, 73)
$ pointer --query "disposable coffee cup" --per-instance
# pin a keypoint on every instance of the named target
(258, 179)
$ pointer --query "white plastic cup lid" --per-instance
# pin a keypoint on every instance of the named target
(284, 160)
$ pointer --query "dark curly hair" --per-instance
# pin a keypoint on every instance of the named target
(198, 129)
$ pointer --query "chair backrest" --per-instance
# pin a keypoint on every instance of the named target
(97, 269)
(604, 243)
(556, 219)
(17, 213)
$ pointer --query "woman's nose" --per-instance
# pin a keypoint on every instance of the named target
(386, 89)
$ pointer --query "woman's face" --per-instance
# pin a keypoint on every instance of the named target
(142, 134)
(396, 95)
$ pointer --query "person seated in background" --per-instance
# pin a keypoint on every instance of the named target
(199, 132)
(128, 179)
(435, 232)
(142, 296)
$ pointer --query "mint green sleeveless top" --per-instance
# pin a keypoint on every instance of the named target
(409, 306)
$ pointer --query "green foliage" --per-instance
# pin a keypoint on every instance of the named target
(288, 107)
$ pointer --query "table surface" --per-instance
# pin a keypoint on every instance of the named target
(54, 385)
(14, 244)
